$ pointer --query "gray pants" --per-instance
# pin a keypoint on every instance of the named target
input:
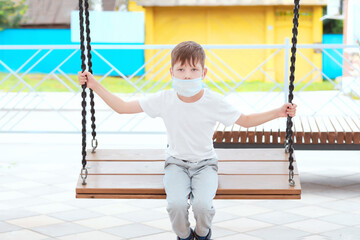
(199, 181)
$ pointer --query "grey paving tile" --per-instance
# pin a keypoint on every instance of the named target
(15, 213)
(246, 209)
(53, 181)
(312, 211)
(338, 193)
(35, 221)
(343, 233)
(315, 237)
(40, 191)
(218, 232)
(338, 181)
(341, 205)
(159, 236)
(8, 178)
(242, 224)
(25, 202)
(74, 215)
(332, 171)
(61, 229)
(278, 233)
(278, 217)
(93, 235)
(348, 219)
(23, 234)
(313, 226)
(11, 195)
(223, 216)
(6, 227)
(51, 208)
(238, 236)
(314, 198)
(142, 216)
(280, 204)
(132, 230)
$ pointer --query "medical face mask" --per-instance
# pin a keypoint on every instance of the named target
(189, 87)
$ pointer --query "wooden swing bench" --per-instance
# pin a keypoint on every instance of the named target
(310, 133)
(138, 174)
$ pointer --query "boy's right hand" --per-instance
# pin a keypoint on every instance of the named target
(88, 78)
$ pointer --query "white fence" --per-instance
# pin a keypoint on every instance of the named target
(37, 111)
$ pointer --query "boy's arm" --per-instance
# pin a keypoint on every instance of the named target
(256, 119)
(116, 103)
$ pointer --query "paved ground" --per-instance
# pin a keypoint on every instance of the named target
(37, 197)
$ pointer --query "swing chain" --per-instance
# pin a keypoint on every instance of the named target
(89, 64)
(289, 133)
(83, 94)
(84, 173)
(84, 9)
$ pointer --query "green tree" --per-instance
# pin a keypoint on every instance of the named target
(332, 26)
(11, 13)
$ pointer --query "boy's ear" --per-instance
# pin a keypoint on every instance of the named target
(205, 71)
(170, 71)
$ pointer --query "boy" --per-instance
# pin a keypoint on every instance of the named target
(190, 113)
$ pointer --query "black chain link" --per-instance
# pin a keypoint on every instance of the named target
(84, 86)
(83, 94)
(88, 41)
(289, 124)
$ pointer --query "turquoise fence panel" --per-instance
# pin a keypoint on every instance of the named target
(126, 61)
(330, 67)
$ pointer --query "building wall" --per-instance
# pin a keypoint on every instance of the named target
(235, 25)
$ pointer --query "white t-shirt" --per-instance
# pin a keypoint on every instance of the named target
(190, 126)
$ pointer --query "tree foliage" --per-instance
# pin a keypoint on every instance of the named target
(333, 26)
(11, 13)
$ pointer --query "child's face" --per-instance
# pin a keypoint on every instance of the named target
(188, 71)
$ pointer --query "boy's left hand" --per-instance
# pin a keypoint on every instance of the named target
(288, 109)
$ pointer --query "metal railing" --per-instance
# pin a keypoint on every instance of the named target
(38, 111)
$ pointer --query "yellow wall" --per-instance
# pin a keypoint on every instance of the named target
(133, 7)
(233, 25)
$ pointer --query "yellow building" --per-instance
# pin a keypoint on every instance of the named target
(233, 22)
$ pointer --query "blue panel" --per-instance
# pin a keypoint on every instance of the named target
(111, 27)
(126, 61)
(35, 36)
(330, 67)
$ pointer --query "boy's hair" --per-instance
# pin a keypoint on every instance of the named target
(188, 51)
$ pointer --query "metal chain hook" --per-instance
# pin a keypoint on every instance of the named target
(83, 174)
(291, 178)
(94, 144)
